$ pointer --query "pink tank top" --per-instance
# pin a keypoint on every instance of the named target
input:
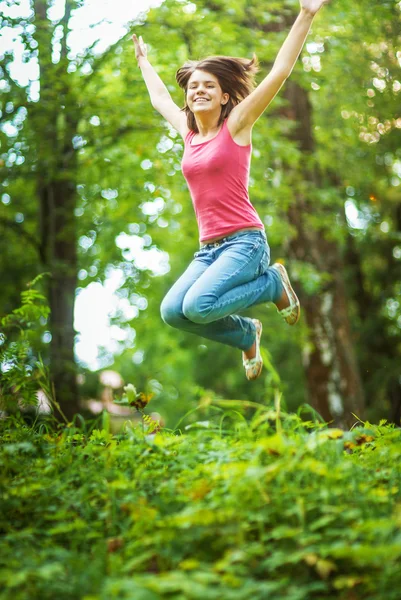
(217, 174)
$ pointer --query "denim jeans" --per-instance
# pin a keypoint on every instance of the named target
(224, 277)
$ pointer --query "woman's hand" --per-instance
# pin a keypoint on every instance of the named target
(140, 47)
(312, 6)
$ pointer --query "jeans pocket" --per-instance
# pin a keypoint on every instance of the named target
(200, 252)
(246, 245)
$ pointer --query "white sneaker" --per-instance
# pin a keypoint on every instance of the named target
(292, 312)
(253, 366)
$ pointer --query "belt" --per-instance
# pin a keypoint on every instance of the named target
(216, 244)
(224, 239)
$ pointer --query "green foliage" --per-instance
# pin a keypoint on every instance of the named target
(124, 165)
(269, 506)
(22, 372)
(337, 83)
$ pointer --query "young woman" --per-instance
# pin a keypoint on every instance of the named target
(230, 272)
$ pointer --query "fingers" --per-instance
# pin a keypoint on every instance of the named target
(140, 45)
(138, 41)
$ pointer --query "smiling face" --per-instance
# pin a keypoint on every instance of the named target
(204, 93)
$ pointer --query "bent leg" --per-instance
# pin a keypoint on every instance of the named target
(266, 288)
(232, 330)
(171, 306)
(238, 279)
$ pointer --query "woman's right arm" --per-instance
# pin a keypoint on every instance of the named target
(159, 94)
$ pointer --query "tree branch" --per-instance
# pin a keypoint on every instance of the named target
(64, 23)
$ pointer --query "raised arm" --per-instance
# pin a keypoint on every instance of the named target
(159, 94)
(244, 115)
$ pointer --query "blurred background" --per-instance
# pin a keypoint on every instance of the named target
(91, 191)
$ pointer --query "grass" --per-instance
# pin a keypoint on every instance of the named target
(232, 506)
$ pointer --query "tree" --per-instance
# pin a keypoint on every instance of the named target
(40, 166)
(102, 169)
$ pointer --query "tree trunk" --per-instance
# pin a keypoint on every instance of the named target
(334, 383)
(58, 235)
(55, 119)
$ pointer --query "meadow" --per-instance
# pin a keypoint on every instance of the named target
(240, 501)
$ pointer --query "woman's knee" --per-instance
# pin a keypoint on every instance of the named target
(170, 312)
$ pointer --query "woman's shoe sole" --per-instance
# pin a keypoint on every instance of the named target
(253, 366)
(292, 313)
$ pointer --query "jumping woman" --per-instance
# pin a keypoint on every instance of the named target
(230, 271)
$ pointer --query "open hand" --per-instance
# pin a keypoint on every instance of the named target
(312, 6)
(140, 47)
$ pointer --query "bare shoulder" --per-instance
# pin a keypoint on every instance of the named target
(240, 132)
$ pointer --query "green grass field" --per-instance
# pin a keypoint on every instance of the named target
(229, 507)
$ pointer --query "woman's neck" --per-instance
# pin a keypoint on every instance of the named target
(207, 126)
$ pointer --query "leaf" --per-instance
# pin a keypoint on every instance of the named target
(274, 445)
(311, 559)
(201, 424)
(136, 563)
(322, 522)
(314, 466)
(347, 581)
(200, 489)
(325, 568)
(332, 434)
(189, 564)
(130, 392)
(76, 524)
(51, 570)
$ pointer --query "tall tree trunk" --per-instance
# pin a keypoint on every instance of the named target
(333, 377)
(56, 119)
(58, 236)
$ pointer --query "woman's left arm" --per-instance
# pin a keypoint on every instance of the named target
(249, 110)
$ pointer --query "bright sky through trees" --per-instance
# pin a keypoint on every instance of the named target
(105, 21)
(102, 22)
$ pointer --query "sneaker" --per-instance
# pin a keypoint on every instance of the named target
(253, 366)
(292, 312)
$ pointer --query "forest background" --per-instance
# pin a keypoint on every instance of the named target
(91, 189)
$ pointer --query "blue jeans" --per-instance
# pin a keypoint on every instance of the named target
(225, 277)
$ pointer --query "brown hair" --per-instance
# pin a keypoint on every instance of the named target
(236, 77)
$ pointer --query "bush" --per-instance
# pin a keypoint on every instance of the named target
(23, 373)
(230, 508)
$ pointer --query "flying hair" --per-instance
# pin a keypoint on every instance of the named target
(236, 77)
